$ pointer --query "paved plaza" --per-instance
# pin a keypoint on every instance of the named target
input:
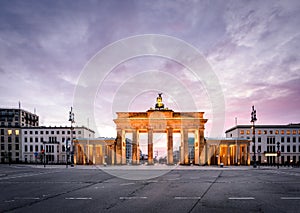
(31, 188)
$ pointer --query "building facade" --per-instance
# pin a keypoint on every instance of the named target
(49, 143)
(11, 123)
(269, 139)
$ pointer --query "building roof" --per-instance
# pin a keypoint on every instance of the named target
(58, 127)
(267, 126)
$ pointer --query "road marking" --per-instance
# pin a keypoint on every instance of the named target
(241, 198)
(152, 181)
(78, 198)
(126, 184)
(26, 198)
(187, 198)
(132, 198)
(171, 179)
(290, 198)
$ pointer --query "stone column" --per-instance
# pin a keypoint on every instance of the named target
(228, 155)
(197, 145)
(150, 147)
(185, 138)
(202, 150)
(238, 154)
(120, 147)
(219, 154)
(85, 154)
(135, 157)
(94, 154)
(170, 146)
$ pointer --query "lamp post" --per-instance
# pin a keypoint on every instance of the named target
(253, 119)
(278, 154)
(71, 119)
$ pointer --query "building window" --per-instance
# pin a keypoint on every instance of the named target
(25, 147)
(2, 146)
(288, 148)
(47, 132)
(36, 148)
(25, 140)
(248, 132)
(79, 132)
(52, 132)
(9, 147)
(259, 149)
(30, 132)
(282, 148)
(294, 132)
(294, 148)
(271, 132)
(282, 139)
(17, 139)
(282, 132)
(41, 147)
(31, 140)
(63, 132)
(259, 132)
(69, 132)
(17, 146)
(288, 132)
(41, 132)
(17, 132)
(265, 132)
(2, 131)
(42, 140)
(259, 139)
(25, 132)
(31, 148)
(288, 139)
(9, 132)
(9, 139)
(57, 132)
(36, 140)
(63, 149)
(2, 139)
(294, 139)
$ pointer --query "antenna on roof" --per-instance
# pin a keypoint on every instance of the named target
(34, 110)
(19, 104)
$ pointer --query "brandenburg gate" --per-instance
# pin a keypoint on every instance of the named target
(160, 120)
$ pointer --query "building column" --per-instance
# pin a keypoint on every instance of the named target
(170, 146)
(238, 154)
(135, 147)
(94, 154)
(228, 155)
(85, 154)
(202, 150)
(219, 154)
(150, 147)
(185, 147)
(120, 149)
(196, 148)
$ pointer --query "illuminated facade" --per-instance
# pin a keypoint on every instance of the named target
(160, 120)
(11, 123)
(49, 142)
(267, 138)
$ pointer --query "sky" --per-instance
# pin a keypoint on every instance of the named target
(252, 47)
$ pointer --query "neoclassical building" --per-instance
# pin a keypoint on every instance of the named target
(160, 120)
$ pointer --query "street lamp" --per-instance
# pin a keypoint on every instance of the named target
(71, 119)
(253, 119)
(278, 154)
